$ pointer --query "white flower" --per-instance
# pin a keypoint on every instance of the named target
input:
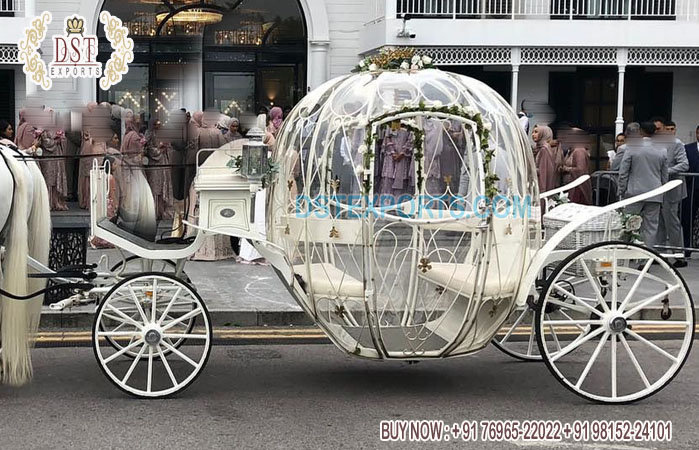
(372, 67)
(470, 110)
(415, 59)
(634, 223)
(38, 151)
(437, 104)
(413, 67)
(407, 102)
(426, 59)
(362, 149)
(419, 64)
(488, 126)
(362, 63)
(359, 170)
(404, 65)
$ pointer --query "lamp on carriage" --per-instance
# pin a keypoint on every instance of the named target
(254, 162)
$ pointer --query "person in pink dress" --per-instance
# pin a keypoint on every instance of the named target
(545, 158)
(577, 164)
(53, 167)
(397, 150)
(25, 132)
(160, 180)
(276, 118)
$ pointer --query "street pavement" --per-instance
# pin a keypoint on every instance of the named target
(313, 397)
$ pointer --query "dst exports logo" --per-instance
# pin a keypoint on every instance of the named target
(74, 52)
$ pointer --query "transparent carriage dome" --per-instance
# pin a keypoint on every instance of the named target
(380, 206)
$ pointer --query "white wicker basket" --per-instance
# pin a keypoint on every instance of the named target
(601, 228)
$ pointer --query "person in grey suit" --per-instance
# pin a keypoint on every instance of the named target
(644, 168)
(670, 227)
(633, 130)
(690, 205)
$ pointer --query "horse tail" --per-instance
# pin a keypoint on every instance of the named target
(39, 242)
(14, 327)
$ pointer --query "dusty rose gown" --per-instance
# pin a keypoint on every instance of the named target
(54, 170)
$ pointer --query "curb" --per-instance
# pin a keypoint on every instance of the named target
(52, 320)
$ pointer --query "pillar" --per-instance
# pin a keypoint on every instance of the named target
(317, 63)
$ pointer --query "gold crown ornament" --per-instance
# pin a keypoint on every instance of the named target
(75, 25)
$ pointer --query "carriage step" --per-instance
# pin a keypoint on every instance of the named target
(76, 271)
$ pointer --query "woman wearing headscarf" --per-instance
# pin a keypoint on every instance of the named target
(25, 131)
(577, 164)
(545, 158)
(136, 208)
(276, 117)
(215, 247)
(54, 169)
(233, 133)
(160, 181)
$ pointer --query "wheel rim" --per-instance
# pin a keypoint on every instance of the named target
(612, 346)
(155, 367)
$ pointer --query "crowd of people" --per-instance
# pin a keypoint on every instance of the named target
(646, 156)
(151, 164)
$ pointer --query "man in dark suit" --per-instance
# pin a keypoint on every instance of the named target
(690, 205)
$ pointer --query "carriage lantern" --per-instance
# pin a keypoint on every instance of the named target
(254, 163)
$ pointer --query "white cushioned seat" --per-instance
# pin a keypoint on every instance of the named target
(461, 278)
(328, 281)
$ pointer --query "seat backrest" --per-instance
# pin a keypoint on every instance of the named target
(321, 230)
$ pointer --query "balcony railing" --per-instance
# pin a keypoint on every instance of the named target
(10, 8)
(553, 9)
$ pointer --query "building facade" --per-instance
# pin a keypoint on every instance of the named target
(596, 64)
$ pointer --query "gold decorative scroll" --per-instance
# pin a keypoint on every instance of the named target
(118, 37)
(34, 66)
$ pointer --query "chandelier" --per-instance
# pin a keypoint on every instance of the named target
(200, 12)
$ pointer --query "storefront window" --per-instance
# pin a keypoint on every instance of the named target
(236, 58)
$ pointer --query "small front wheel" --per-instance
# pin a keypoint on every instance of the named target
(158, 355)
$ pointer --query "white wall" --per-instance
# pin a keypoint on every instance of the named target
(685, 102)
(534, 89)
(346, 19)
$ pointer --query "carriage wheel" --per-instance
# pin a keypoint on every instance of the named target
(158, 368)
(623, 346)
(517, 336)
(134, 265)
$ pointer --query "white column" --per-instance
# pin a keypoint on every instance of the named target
(317, 63)
(622, 58)
(29, 8)
(515, 55)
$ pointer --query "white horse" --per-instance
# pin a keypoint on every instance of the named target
(25, 230)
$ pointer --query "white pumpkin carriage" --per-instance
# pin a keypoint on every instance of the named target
(403, 216)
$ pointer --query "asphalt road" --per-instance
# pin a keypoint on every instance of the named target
(311, 397)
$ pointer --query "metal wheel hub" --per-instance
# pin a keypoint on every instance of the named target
(152, 337)
(617, 325)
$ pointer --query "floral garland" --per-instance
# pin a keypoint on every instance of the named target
(394, 59)
(482, 130)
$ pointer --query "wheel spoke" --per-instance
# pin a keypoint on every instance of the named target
(185, 336)
(643, 303)
(149, 385)
(180, 354)
(592, 360)
(575, 307)
(133, 365)
(169, 305)
(555, 337)
(125, 317)
(167, 367)
(634, 360)
(531, 336)
(138, 304)
(573, 321)
(615, 277)
(659, 322)
(154, 300)
(192, 313)
(515, 325)
(122, 351)
(650, 344)
(580, 340)
(613, 357)
(636, 284)
(118, 333)
(595, 287)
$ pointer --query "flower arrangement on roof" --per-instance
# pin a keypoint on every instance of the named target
(406, 59)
